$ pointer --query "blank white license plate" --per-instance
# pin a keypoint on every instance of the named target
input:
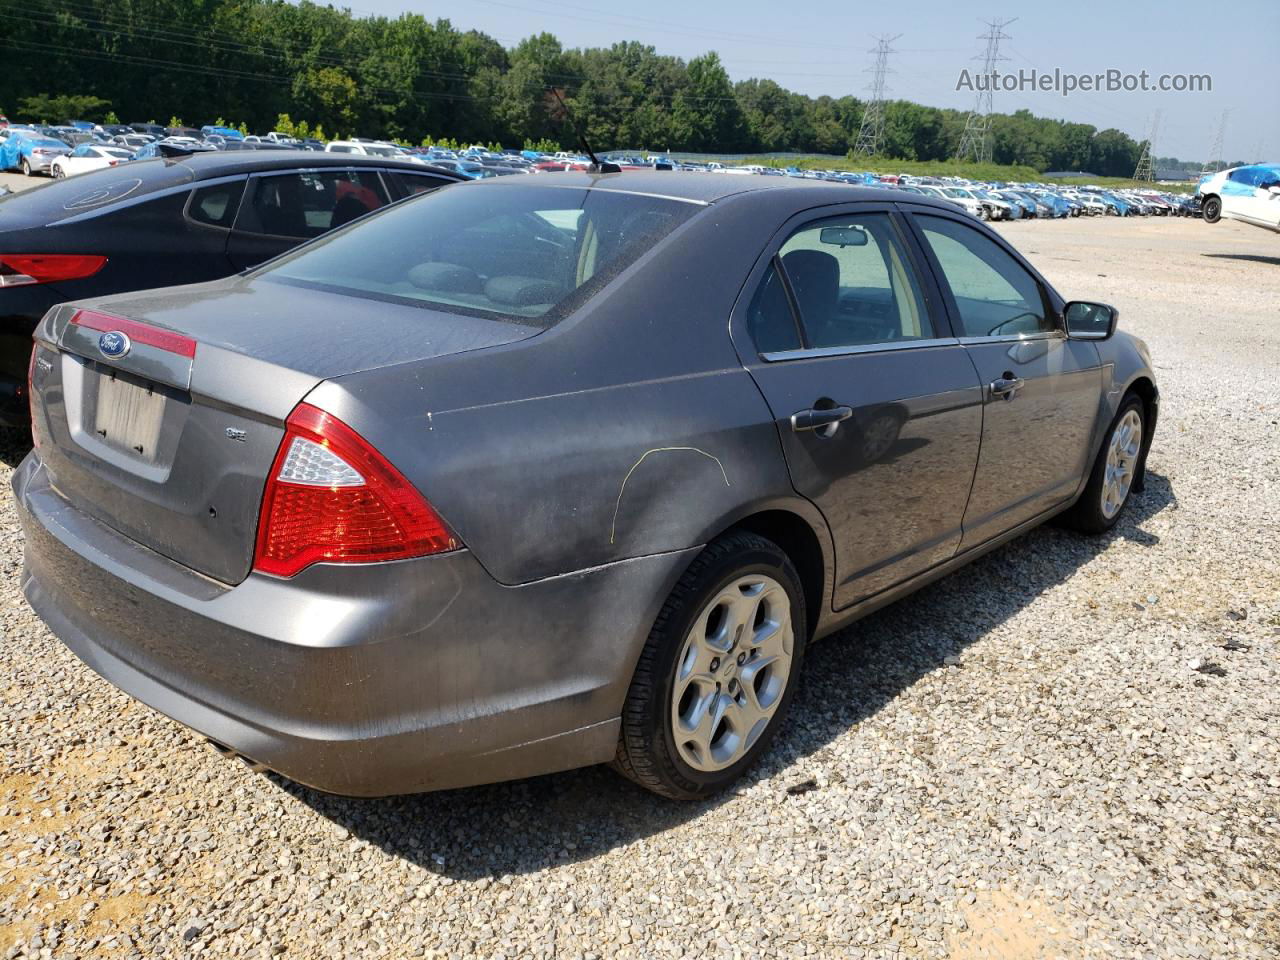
(129, 416)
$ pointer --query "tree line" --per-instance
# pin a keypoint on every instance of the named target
(412, 79)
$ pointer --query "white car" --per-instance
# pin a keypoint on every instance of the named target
(86, 157)
(1093, 206)
(1249, 194)
(367, 148)
(957, 195)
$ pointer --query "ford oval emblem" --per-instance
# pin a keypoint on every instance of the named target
(114, 344)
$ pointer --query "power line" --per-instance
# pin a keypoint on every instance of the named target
(1144, 169)
(1214, 161)
(974, 142)
(872, 128)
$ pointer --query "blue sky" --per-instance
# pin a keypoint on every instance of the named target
(821, 47)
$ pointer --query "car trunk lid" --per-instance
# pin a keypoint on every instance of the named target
(161, 413)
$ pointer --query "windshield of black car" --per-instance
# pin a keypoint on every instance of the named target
(527, 253)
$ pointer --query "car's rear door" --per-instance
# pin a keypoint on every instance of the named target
(282, 209)
(877, 405)
(1042, 392)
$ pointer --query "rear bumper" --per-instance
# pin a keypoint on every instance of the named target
(365, 680)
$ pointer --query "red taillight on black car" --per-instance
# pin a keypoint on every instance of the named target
(21, 269)
(332, 498)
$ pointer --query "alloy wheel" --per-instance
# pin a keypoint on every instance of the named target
(732, 672)
(1122, 460)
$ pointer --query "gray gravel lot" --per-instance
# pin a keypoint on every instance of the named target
(1068, 749)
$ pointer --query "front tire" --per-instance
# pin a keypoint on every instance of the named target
(717, 671)
(1212, 209)
(1111, 480)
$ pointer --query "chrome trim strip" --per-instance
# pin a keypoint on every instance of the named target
(1016, 337)
(890, 346)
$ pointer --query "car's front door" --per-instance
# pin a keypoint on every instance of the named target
(877, 405)
(1042, 392)
(1261, 209)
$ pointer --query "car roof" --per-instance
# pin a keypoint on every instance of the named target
(101, 191)
(204, 166)
(713, 187)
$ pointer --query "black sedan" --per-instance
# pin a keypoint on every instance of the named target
(158, 222)
(537, 472)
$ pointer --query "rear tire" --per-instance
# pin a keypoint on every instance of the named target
(1114, 472)
(26, 167)
(1212, 209)
(717, 672)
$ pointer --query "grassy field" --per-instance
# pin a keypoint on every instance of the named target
(943, 168)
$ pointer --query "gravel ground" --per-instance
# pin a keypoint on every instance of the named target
(1066, 750)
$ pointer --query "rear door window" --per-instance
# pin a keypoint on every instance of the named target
(307, 203)
(853, 283)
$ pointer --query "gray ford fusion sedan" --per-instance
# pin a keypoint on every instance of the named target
(538, 472)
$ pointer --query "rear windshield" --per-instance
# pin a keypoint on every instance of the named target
(527, 253)
(58, 200)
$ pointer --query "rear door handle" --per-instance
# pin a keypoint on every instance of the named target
(1006, 387)
(815, 419)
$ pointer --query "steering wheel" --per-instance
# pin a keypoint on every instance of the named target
(1014, 319)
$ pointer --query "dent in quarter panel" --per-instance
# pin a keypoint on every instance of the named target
(531, 487)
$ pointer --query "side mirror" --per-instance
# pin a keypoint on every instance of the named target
(1090, 321)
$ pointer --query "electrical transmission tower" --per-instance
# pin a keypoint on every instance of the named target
(872, 128)
(974, 142)
(1145, 169)
(1213, 162)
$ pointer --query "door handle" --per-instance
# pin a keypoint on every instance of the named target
(816, 419)
(1006, 387)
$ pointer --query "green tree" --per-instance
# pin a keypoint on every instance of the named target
(706, 115)
(59, 108)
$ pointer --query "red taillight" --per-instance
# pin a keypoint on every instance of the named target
(332, 498)
(137, 332)
(20, 269)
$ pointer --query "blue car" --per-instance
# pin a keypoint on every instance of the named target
(1115, 204)
(30, 152)
(1055, 203)
(228, 133)
(1026, 204)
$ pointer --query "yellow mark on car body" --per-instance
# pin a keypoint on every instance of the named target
(613, 530)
